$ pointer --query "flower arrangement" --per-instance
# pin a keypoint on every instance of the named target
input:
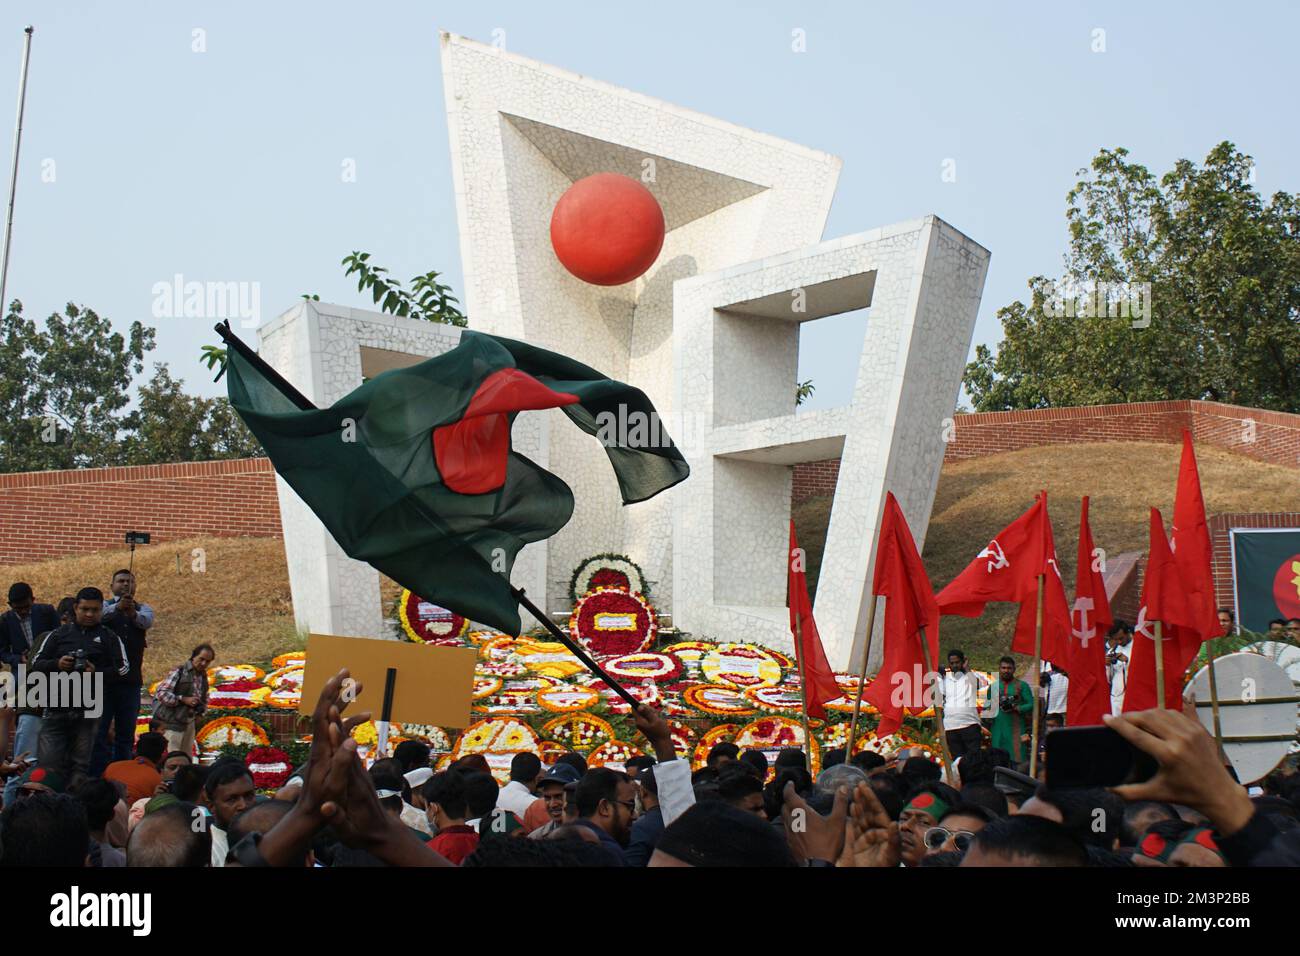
(289, 675)
(270, 767)
(741, 665)
(777, 700)
(718, 699)
(607, 571)
(566, 700)
(427, 623)
(285, 698)
(579, 731)
(775, 733)
(230, 673)
(645, 665)
(613, 754)
(716, 735)
(231, 729)
(292, 657)
(485, 687)
(613, 621)
(238, 694)
(431, 734)
(496, 735)
(549, 659)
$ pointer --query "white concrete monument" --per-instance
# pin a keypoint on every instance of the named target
(707, 333)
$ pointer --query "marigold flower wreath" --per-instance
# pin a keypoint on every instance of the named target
(290, 657)
(238, 695)
(613, 754)
(775, 733)
(605, 571)
(230, 673)
(645, 665)
(613, 621)
(497, 735)
(781, 699)
(427, 623)
(716, 735)
(231, 729)
(741, 665)
(580, 731)
(549, 659)
(567, 700)
(718, 699)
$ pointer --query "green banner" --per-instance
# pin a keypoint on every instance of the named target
(1267, 575)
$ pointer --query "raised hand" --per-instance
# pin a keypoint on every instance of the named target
(810, 835)
(871, 838)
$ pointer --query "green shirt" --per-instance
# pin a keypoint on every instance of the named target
(1008, 726)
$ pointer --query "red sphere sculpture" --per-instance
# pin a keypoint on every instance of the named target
(607, 229)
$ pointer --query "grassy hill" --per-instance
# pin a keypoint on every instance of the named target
(241, 604)
(978, 498)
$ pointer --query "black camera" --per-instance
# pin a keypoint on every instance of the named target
(79, 660)
(1006, 703)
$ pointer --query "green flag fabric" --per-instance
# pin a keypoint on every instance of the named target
(413, 471)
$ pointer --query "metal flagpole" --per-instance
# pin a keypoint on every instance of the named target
(13, 175)
(938, 707)
(803, 686)
(1160, 667)
(1038, 678)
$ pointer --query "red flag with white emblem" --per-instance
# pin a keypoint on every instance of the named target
(1191, 546)
(1088, 697)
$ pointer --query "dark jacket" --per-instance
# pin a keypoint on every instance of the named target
(103, 649)
(647, 830)
(134, 640)
(13, 642)
(611, 846)
(184, 681)
(1261, 843)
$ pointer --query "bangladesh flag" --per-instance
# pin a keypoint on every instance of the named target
(413, 471)
(1266, 565)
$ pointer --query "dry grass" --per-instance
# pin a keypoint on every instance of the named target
(978, 498)
(240, 603)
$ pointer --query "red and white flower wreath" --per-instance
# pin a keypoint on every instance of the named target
(612, 621)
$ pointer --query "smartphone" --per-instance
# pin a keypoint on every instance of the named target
(1094, 757)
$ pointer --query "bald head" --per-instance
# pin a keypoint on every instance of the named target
(170, 837)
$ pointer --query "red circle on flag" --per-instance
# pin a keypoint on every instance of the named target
(1286, 587)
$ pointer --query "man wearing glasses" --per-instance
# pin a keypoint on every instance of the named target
(957, 829)
(607, 804)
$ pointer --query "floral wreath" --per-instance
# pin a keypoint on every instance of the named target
(496, 734)
(549, 659)
(431, 734)
(741, 665)
(716, 735)
(238, 695)
(776, 733)
(718, 699)
(232, 673)
(269, 766)
(291, 674)
(605, 571)
(613, 621)
(427, 623)
(645, 665)
(580, 731)
(613, 753)
(567, 700)
(777, 700)
(290, 657)
(231, 729)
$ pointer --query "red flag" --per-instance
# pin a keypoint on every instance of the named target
(1164, 600)
(901, 580)
(818, 679)
(1088, 697)
(1007, 570)
(1191, 546)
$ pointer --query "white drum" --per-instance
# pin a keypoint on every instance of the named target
(1257, 711)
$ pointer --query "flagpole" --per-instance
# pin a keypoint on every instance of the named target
(1214, 696)
(938, 708)
(1160, 667)
(1038, 677)
(803, 687)
(13, 176)
(862, 680)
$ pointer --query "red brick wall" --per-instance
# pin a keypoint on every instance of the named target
(47, 514)
(1266, 436)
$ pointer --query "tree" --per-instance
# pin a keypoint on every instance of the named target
(1221, 320)
(65, 388)
(169, 425)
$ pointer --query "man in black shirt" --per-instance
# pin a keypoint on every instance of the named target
(131, 621)
(80, 660)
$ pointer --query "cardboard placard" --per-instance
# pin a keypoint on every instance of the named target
(434, 684)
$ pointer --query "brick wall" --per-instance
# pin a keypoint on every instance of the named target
(47, 514)
(1265, 436)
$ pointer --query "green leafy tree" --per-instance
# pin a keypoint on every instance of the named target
(169, 425)
(66, 388)
(1223, 315)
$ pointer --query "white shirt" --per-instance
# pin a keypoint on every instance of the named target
(1119, 677)
(516, 798)
(1056, 689)
(960, 699)
(673, 781)
(220, 843)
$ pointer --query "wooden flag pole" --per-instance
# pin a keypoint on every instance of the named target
(1038, 677)
(1160, 667)
(1214, 696)
(862, 680)
(938, 709)
(803, 689)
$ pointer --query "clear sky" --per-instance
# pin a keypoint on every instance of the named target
(225, 164)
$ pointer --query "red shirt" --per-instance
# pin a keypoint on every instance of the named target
(455, 843)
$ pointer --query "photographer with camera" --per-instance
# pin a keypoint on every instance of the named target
(1011, 705)
(130, 620)
(1119, 645)
(182, 697)
(72, 708)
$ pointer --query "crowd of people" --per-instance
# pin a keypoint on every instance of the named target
(81, 791)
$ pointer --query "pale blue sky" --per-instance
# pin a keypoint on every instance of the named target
(225, 165)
